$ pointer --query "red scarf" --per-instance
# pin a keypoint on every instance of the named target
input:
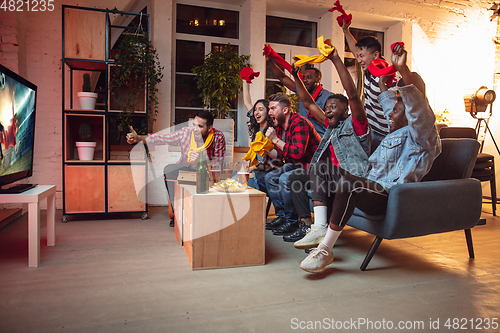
(315, 95)
(248, 74)
(346, 18)
(380, 67)
(269, 52)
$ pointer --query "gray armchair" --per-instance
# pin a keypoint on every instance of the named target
(445, 200)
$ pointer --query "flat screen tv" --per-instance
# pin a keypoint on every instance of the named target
(17, 129)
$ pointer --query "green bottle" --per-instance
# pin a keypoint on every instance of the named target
(202, 176)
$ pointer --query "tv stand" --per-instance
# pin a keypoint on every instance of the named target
(33, 198)
(17, 189)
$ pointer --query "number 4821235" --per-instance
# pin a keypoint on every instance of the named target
(27, 5)
(472, 324)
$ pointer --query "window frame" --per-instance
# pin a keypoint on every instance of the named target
(208, 41)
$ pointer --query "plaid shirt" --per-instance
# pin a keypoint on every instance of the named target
(301, 141)
(216, 151)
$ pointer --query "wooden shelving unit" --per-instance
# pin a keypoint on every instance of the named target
(111, 182)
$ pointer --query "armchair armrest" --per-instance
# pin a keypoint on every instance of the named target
(417, 209)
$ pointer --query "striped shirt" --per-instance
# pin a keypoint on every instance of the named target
(374, 111)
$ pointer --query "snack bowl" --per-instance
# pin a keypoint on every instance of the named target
(230, 186)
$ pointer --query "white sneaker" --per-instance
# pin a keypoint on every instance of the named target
(317, 260)
(313, 237)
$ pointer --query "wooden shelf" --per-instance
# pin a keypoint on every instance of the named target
(84, 34)
(72, 129)
(106, 184)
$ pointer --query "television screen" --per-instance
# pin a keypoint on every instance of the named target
(17, 125)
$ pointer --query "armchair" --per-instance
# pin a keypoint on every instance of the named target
(445, 200)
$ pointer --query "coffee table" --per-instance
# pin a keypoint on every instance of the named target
(220, 229)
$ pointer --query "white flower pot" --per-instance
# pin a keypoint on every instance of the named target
(87, 100)
(85, 150)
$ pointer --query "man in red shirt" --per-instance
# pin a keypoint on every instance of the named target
(295, 140)
(202, 138)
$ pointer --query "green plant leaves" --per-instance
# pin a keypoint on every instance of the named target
(218, 79)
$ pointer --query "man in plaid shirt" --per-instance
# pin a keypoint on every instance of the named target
(295, 140)
(201, 130)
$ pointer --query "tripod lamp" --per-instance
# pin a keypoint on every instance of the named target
(478, 103)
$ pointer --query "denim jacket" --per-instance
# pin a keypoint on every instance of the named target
(352, 151)
(407, 154)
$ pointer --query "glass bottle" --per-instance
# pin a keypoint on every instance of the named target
(202, 175)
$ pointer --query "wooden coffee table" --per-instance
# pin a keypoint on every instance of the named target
(220, 229)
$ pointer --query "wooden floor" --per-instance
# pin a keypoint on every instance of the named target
(129, 275)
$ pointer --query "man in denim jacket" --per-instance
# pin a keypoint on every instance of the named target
(346, 144)
(405, 155)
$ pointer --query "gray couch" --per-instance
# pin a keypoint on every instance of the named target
(445, 200)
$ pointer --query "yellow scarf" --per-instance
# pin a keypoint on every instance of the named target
(193, 146)
(262, 145)
(324, 47)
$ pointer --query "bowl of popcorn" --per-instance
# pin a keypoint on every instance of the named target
(230, 185)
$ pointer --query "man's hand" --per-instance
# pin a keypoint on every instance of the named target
(333, 54)
(132, 137)
(271, 134)
(382, 82)
(194, 156)
(266, 57)
(345, 26)
(295, 71)
(399, 57)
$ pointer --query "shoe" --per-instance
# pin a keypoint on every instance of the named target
(286, 228)
(317, 260)
(277, 222)
(312, 239)
(298, 234)
(172, 222)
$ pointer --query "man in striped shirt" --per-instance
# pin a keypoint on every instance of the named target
(365, 51)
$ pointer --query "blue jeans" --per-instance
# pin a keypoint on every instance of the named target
(258, 181)
(277, 185)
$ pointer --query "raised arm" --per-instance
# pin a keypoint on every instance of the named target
(306, 98)
(284, 79)
(399, 58)
(350, 40)
(357, 108)
(247, 100)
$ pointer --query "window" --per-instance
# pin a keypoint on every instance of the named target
(360, 33)
(290, 32)
(288, 37)
(200, 30)
(196, 20)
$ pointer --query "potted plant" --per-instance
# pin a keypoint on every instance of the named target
(218, 79)
(86, 97)
(137, 69)
(84, 147)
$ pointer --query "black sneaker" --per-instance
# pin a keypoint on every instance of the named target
(298, 234)
(172, 222)
(277, 222)
(286, 229)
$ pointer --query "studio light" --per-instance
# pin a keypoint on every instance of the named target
(479, 101)
(477, 104)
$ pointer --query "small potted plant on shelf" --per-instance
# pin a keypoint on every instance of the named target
(86, 97)
(84, 147)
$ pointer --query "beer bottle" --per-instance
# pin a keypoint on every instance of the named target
(202, 175)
